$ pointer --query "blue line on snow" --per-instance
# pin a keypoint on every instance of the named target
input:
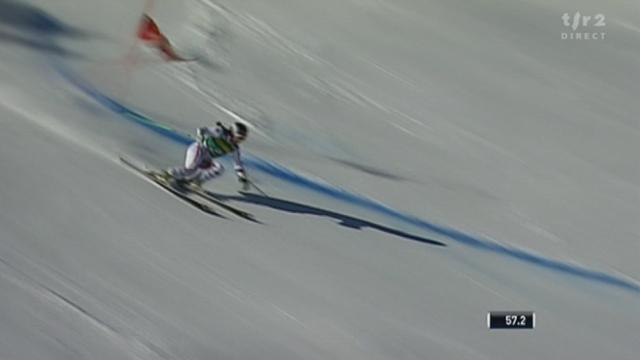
(289, 176)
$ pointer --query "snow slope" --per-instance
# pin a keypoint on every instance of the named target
(473, 117)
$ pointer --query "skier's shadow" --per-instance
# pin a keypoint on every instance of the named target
(345, 220)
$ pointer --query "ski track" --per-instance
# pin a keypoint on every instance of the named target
(284, 174)
(138, 347)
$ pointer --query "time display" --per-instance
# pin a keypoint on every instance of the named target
(511, 320)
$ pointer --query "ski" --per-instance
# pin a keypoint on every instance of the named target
(204, 194)
(183, 192)
(152, 176)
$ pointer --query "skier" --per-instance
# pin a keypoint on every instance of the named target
(212, 142)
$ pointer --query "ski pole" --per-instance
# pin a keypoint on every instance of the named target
(257, 188)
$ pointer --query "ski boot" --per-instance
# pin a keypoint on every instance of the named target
(179, 183)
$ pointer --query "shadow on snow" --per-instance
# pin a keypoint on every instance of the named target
(345, 220)
(30, 18)
(32, 27)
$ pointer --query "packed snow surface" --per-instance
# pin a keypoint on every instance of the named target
(425, 162)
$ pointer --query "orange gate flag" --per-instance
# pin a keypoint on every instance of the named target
(149, 33)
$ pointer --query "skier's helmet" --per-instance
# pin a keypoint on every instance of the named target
(240, 131)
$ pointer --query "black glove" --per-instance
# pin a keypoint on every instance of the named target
(201, 133)
(242, 178)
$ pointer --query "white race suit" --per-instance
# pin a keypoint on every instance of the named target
(200, 164)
